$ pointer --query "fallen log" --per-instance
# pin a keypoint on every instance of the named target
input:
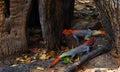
(104, 48)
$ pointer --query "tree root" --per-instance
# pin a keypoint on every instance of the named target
(106, 47)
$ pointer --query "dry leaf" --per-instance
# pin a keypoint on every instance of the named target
(18, 59)
(33, 57)
(48, 57)
(21, 60)
(42, 57)
(114, 54)
(28, 59)
(51, 53)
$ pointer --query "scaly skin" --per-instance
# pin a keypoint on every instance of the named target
(87, 33)
(82, 48)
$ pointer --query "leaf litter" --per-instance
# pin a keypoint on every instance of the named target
(84, 12)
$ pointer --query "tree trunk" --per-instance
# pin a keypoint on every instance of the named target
(13, 28)
(68, 9)
(110, 13)
(54, 15)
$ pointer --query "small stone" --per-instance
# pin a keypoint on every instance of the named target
(13, 65)
(40, 68)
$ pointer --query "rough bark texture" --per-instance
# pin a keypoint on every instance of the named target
(110, 13)
(68, 8)
(12, 28)
(53, 17)
(33, 19)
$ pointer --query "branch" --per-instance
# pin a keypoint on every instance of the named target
(98, 51)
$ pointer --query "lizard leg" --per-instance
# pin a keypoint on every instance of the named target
(76, 38)
(72, 57)
(86, 49)
(87, 37)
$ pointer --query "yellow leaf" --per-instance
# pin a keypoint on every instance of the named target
(48, 57)
(51, 53)
(21, 60)
(17, 59)
(28, 59)
(33, 57)
(42, 57)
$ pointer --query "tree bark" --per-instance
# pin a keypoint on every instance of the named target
(110, 13)
(13, 28)
(68, 9)
(54, 15)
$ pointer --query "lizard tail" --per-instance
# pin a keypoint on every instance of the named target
(102, 32)
(55, 61)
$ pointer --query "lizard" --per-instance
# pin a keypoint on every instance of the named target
(85, 47)
(87, 33)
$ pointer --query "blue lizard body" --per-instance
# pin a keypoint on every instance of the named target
(83, 32)
(77, 50)
(86, 33)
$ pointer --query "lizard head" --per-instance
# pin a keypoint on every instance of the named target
(69, 32)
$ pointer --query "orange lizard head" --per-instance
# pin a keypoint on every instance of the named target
(69, 32)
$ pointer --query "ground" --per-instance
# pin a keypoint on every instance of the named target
(85, 16)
